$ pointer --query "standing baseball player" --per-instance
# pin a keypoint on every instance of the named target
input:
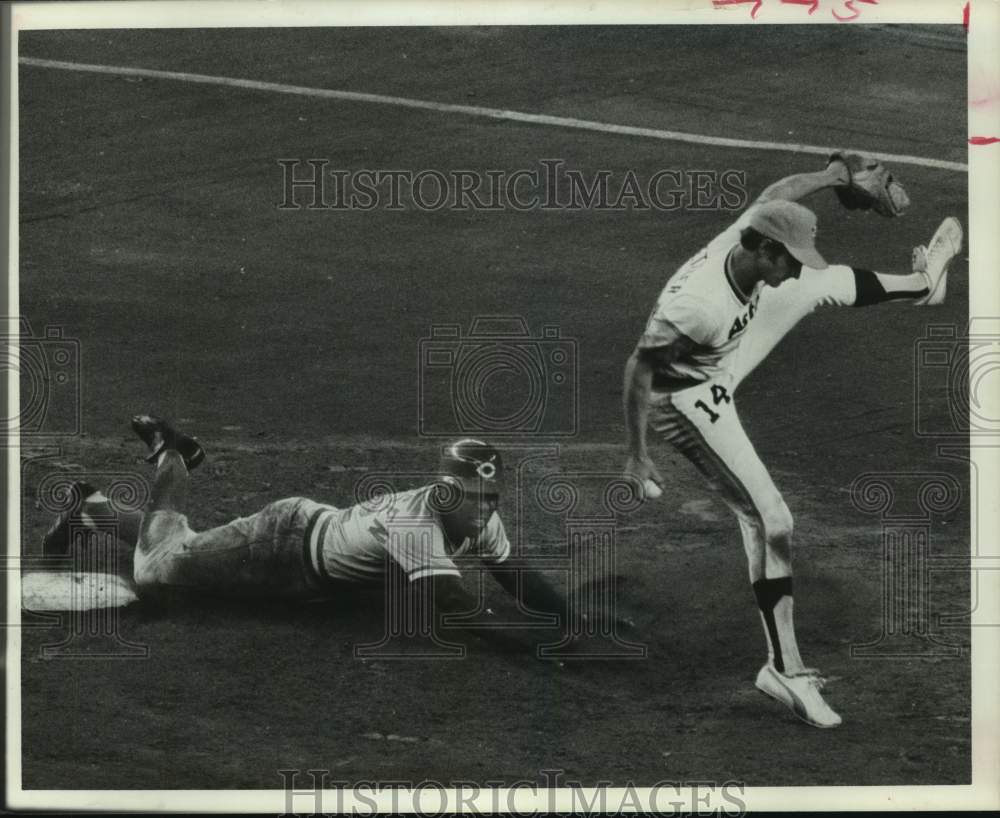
(717, 317)
(296, 548)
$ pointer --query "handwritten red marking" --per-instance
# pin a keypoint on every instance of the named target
(983, 140)
(849, 4)
(813, 4)
(753, 12)
(965, 18)
(982, 102)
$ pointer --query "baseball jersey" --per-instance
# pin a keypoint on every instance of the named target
(354, 544)
(702, 302)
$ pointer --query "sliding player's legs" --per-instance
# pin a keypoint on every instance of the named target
(164, 529)
(260, 556)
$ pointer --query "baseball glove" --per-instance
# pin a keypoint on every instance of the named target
(870, 186)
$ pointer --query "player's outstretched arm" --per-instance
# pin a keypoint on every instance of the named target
(447, 594)
(449, 597)
(535, 592)
(529, 587)
(860, 181)
(799, 185)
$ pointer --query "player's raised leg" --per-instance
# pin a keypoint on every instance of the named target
(91, 509)
(164, 519)
(262, 555)
(781, 308)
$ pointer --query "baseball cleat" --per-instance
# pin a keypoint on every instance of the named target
(800, 693)
(56, 539)
(933, 260)
(159, 435)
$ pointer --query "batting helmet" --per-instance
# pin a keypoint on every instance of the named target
(473, 464)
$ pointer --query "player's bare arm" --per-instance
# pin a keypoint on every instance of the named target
(449, 597)
(528, 586)
(860, 181)
(799, 185)
(516, 576)
(447, 593)
(638, 384)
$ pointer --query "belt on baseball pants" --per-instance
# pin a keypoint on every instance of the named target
(671, 383)
(319, 523)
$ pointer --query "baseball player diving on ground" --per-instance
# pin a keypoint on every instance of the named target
(716, 318)
(296, 548)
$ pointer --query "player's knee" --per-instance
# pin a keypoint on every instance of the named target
(145, 575)
(282, 511)
(163, 535)
(162, 526)
(778, 525)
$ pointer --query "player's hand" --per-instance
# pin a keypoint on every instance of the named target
(576, 648)
(838, 171)
(642, 469)
(863, 183)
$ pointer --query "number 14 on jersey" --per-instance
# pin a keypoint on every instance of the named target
(719, 395)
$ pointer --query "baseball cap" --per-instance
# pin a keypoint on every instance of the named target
(475, 464)
(791, 224)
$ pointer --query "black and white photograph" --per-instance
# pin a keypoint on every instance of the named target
(476, 408)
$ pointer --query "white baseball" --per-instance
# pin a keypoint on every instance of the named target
(652, 490)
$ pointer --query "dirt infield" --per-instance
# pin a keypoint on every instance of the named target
(290, 342)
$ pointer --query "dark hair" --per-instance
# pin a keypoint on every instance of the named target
(751, 239)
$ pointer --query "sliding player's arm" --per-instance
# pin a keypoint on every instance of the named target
(522, 581)
(533, 591)
(492, 551)
(528, 586)
(449, 598)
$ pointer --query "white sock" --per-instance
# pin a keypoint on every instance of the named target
(900, 285)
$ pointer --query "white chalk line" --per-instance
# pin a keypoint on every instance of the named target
(479, 111)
